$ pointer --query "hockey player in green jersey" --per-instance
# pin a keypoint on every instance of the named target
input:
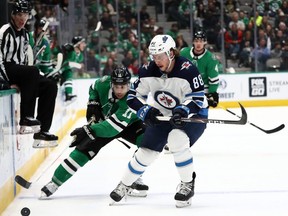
(207, 64)
(113, 119)
(41, 47)
(72, 57)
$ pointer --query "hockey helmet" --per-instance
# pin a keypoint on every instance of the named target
(200, 35)
(161, 44)
(39, 23)
(120, 76)
(21, 6)
(77, 40)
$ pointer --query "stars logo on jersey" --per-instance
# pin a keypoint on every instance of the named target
(166, 99)
(185, 65)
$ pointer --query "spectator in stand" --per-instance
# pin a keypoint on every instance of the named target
(93, 64)
(276, 52)
(94, 42)
(144, 15)
(258, 19)
(133, 67)
(284, 57)
(284, 7)
(233, 38)
(281, 17)
(180, 42)
(174, 31)
(102, 57)
(105, 6)
(128, 59)
(235, 19)
(107, 22)
(260, 54)
(230, 6)
(244, 18)
(109, 67)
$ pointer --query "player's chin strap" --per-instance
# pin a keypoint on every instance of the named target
(170, 60)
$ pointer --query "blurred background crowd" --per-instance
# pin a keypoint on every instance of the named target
(245, 35)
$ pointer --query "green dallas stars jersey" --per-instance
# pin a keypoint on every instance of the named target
(43, 61)
(117, 115)
(207, 65)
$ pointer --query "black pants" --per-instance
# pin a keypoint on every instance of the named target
(31, 86)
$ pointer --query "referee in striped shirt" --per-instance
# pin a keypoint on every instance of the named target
(14, 41)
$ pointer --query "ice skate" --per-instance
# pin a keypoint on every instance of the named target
(44, 140)
(48, 190)
(185, 192)
(119, 192)
(139, 189)
(69, 98)
(29, 125)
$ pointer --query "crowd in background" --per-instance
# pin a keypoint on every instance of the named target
(119, 39)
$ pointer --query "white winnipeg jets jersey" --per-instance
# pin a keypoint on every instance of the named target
(182, 86)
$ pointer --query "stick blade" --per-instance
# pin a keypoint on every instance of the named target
(280, 127)
(22, 182)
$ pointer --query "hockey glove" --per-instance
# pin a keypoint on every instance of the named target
(94, 109)
(56, 76)
(178, 113)
(149, 115)
(82, 137)
(4, 85)
(213, 99)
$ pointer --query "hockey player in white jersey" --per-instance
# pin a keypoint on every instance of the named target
(178, 91)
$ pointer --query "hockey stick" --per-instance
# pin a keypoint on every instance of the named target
(75, 65)
(242, 121)
(274, 130)
(58, 65)
(41, 35)
(38, 53)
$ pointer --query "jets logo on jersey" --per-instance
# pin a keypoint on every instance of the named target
(166, 99)
(146, 65)
(185, 65)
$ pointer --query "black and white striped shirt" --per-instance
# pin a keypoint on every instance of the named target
(13, 47)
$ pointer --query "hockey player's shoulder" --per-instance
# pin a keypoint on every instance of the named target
(147, 69)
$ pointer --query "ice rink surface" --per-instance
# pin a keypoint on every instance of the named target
(240, 171)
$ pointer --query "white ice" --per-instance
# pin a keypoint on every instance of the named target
(240, 171)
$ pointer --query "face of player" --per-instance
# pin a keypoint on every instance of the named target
(120, 90)
(82, 46)
(162, 61)
(199, 45)
(20, 20)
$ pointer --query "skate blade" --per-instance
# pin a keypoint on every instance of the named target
(29, 129)
(112, 202)
(43, 196)
(44, 144)
(182, 204)
(137, 193)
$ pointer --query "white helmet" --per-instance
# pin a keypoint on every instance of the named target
(160, 44)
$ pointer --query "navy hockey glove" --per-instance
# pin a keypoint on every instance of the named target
(178, 113)
(213, 99)
(82, 137)
(149, 115)
(94, 109)
(4, 85)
